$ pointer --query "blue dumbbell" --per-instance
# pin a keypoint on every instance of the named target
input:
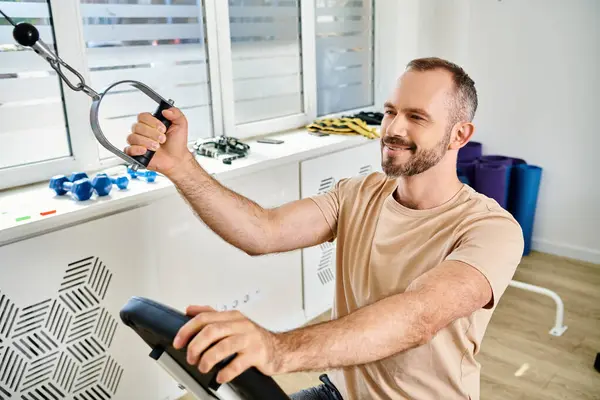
(149, 176)
(122, 181)
(75, 176)
(81, 189)
(101, 183)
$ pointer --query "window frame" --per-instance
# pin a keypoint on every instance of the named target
(309, 81)
(376, 84)
(85, 156)
(68, 40)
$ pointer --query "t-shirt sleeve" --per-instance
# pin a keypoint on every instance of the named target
(330, 203)
(493, 245)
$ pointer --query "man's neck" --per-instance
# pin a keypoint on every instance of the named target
(427, 190)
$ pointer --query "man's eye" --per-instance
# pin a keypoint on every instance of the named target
(416, 117)
(389, 112)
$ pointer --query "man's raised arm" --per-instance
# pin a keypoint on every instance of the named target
(237, 219)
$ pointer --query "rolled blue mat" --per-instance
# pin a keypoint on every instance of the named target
(470, 151)
(526, 185)
(467, 169)
(512, 193)
(491, 179)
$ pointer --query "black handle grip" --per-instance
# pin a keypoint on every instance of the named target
(145, 159)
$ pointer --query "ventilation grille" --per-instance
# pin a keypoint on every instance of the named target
(8, 314)
(326, 185)
(112, 375)
(12, 368)
(57, 348)
(47, 391)
(324, 270)
(365, 170)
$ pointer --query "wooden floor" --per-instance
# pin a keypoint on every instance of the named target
(520, 359)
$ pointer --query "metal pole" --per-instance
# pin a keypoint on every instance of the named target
(559, 327)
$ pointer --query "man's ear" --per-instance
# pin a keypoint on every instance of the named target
(463, 131)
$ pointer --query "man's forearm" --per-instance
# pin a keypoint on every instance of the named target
(397, 323)
(238, 220)
(371, 333)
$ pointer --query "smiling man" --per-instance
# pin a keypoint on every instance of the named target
(422, 259)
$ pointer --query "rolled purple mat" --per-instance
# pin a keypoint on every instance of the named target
(470, 151)
(491, 179)
(494, 159)
(467, 169)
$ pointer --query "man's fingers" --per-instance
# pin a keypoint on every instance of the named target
(211, 334)
(226, 347)
(193, 326)
(133, 151)
(148, 131)
(194, 310)
(175, 115)
(135, 139)
(152, 122)
(235, 368)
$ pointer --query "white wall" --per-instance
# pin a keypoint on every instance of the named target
(536, 64)
(396, 42)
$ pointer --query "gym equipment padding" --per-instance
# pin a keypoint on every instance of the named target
(525, 184)
(470, 151)
(158, 324)
(491, 179)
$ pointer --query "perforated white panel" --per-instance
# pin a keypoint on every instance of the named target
(60, 296)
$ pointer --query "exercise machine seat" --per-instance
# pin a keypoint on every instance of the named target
(157, 324)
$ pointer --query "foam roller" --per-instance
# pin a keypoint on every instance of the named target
(470, 151)
(467, 169)
(492, 181)
(526, 184)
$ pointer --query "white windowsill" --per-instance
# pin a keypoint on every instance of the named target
(34, 199)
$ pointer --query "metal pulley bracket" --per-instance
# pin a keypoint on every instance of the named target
(163, 104)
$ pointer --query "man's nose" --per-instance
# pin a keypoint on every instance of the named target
(398, 127)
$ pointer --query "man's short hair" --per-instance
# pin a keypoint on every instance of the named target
(465, 101)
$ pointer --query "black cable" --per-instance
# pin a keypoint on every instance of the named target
(8, 18)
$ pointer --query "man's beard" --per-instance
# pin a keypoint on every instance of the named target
(420, 160)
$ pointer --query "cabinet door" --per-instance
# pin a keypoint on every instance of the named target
(196, 266)
(318, 176)
(60, 296)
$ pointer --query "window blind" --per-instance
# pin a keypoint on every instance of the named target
(344, 47)
(31, 106)
(158, 42)
(266, 59)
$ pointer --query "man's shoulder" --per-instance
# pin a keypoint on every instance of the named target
(478, 208)
(368, 184)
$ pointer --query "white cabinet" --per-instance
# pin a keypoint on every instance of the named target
(318, 176)
(61, 292)
(195, 266)
(60, 297)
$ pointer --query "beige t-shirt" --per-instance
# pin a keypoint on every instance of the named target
(383, 246)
